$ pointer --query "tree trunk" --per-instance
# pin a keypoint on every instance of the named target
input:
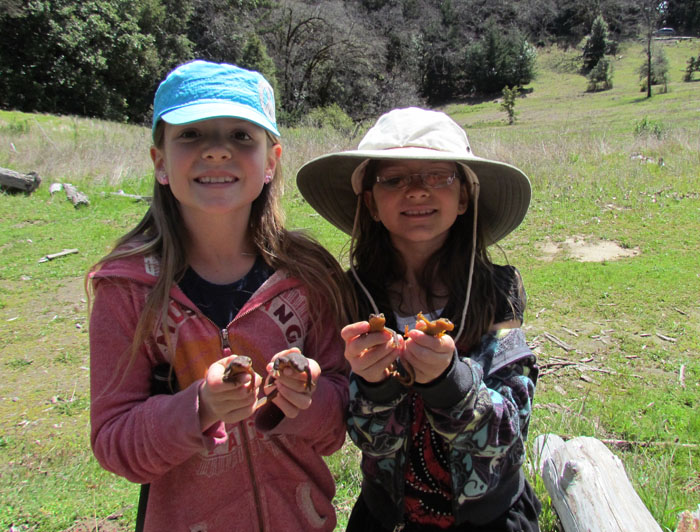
(649, 66)
(589, 487)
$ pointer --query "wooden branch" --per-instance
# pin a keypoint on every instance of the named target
(136, 197)
(666, 338)
(589, 487)
(572, 333)
(551, 367)
(626, 445)
(76, 197)
(594, 368)
(557, 364)
(560, 343)
(52, 256)
(681, 376)
(17, 181)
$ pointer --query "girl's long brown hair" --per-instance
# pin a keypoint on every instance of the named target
(379, 265)
(161, 233)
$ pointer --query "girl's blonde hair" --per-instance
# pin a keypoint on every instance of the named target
(161, 233)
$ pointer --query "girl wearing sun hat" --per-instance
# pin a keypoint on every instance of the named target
(210, 273)
(441, 420)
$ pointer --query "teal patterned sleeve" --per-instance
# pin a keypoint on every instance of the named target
(495, 413)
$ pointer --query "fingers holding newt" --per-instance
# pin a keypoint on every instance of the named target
(373, 350)
(229, 391)
(370, 348)
(291, 381)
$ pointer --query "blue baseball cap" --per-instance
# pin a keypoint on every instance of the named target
(200, 90)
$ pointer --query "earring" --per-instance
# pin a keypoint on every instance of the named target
(162, 178)
(268, 179)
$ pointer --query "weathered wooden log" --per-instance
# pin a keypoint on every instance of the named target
(589, 488)
(76, 197)
(18, 181)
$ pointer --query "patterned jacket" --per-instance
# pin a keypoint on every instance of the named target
(481, 407)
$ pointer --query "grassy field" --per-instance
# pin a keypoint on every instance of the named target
(618, 339)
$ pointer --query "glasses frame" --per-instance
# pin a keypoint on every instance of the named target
(408, 179)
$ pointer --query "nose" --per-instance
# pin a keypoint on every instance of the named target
(217, 149)
(416, 189)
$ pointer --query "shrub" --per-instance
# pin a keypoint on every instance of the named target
(499, 60)
(659, 71)
(508, 103)
(600, 76)
(647, 127)
(330, 115)
(693, 66)
(596, 44)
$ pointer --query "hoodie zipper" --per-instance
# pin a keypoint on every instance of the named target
(225, 344)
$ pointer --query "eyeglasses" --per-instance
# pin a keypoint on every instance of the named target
(430, 180)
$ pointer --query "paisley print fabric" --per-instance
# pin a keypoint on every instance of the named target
(475, 423)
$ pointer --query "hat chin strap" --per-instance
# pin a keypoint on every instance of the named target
(474, 193)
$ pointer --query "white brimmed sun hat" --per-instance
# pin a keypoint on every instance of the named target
(331, 183)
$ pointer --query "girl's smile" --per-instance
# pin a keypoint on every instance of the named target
(423, 212)
(206, 180)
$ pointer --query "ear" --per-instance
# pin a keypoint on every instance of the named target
(368, 198)
(274, 153)
(463, 199)
(159, 165)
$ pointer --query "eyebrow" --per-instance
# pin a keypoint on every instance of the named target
(410, 169)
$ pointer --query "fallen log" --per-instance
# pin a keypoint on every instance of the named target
(623, 445)
(18, 181)
(76, 197)
(589, 487)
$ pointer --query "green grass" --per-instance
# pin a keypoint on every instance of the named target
(631, 324)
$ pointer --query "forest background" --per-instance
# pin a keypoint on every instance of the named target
(104, 58)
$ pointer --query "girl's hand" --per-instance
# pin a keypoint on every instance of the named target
(429, 355)
(229, 402)
(369, 354)
(293, 395)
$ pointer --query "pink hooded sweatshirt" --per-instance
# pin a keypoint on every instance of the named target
(263, 474)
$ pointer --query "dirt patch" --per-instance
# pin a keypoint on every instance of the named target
(578, 248)
(109, 524)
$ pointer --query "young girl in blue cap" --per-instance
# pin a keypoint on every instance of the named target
(441, 419)
(210, 273)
